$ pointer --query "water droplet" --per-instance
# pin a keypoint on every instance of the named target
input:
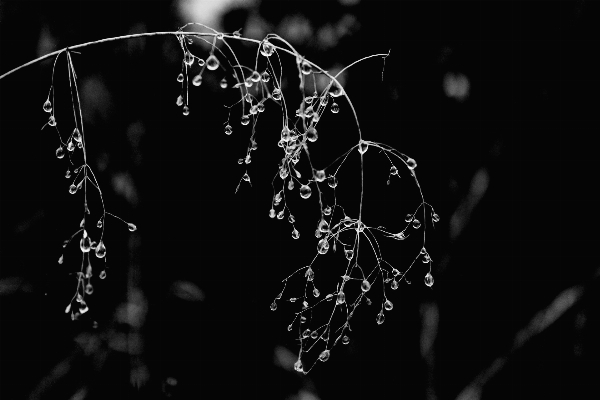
(61, 259)
(179, 101)
(188, 59)
(212, 62)
(324, 226)
(416, 223)
(316, 292)
(327, 210)
(349, 253)
(70, 145)
(283, 173)
(314, 335)
(180, 77)
(131, 227)
(312, 135)
(248, 82)
(276, 94)
(85, 244)
(309, 274)
(289, 328)
(186, 110)
(102, 274)
(306, 333)
(72, 189)
(228, 129)
(305, 191)
(345, 339)
(298, 366)
(280, 214)
(394, 284)
(248, 97)
(68, 174)
(76, 135)
(341, 298)
(245, 120)
(380, 318)
(363, 147)
(60, 152)
(411, 163)
(429, 279)
(68, 308)
(435, 217)
(52, 121)
(335, 108)
(388, 305)
(336, 90)
(324, 356)
(305, 67)
(323, 246)
(80, 145)
(260, 107)
(100, 250)
(83, 308)
(255, 77)
(265, 77)
(319, 175)
(267, 48)
(223, 83)
(272, 213)
(246, 177)
(47, 106)
(197, 81)
(291, 184)
(365, 286)
(89, 289)
(273, 306)
(393, 170)
(254, 110)
(295, 234)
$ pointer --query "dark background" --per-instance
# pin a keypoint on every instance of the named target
(184, 311)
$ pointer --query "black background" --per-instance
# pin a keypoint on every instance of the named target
(529, 124)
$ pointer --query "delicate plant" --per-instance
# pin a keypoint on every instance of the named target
(261, 87)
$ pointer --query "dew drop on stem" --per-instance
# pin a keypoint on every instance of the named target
(335, 108)
(223, 83)
(48, 106)
(60, 152)
(197, 81)
(131, 227)
(212, 63)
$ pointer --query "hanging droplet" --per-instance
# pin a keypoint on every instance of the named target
(277, 94)
(228, 129)
(76, 135)
(131, 227)
(305, 67)
(319, 175)
(314, 335)
(180, 77)
(335, 108)
(68, 174)
(260, 107)
(248, 82)
(100, 250)
(60, 152)
(179, 101)
(388, 305)
(323, 246)
(80, 145)
(70, 145)
(246, 177)
(341, 298)
(280, 214)
(212, 62)
(345, 339)
(324, 356)
(435, 217)
(365, 286)
(429, 279)
(186, 110)
(52, 121)
(85, 244)
(411, 163)
(273, 306)
(265, 77)
(309, 274)
(245, 120)
(61, 259)
(380, 318)
(306, 333)
(363, 147)
(298, 366)
(305, 191)
(72, 189)
(197, 81)
(316, 292)
(393, 170)
(272, 213)
(188, 59)
(68, 308)
(255, 77)
(335, 90)
(327, 210)
(295, 234)
(48, 106)
(416, 223)
(223, 83)
(324, 226)
(248, 97)
(408, 218)
(394, 284)
(83, 308)
(291, 184)
(312, 135)
(254, 110)
(349, 253)
(82, 223)
(89, 289)
(289, 328)
(267, 48)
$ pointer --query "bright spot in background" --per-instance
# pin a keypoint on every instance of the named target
(209, 12)
(456, 86)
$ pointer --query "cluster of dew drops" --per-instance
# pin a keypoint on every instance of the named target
(79, 176)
